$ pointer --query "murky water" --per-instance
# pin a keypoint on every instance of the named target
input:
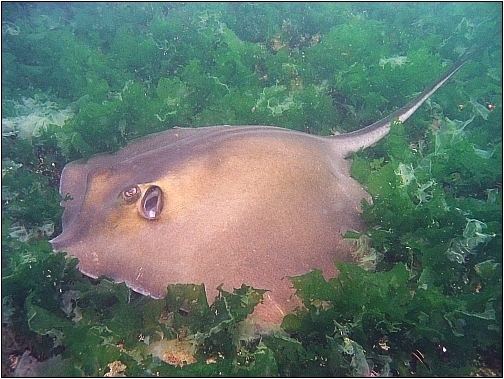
(423, 295)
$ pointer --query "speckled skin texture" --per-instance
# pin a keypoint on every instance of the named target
(245, 204)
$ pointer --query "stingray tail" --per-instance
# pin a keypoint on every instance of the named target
(351, 142)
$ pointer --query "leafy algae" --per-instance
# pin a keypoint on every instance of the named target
(109, 73)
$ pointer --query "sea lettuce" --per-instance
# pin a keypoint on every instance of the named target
(424, 296)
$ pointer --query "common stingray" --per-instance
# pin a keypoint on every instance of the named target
(220, 205)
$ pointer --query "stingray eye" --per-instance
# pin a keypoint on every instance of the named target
(152, 203)
(131, 194)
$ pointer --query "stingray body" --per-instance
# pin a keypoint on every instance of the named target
(219, 205)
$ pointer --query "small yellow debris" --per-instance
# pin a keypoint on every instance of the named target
(174, 352)
(116, 370)
(323, 305)
(211, 360)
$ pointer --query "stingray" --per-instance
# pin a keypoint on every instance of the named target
(220, 205)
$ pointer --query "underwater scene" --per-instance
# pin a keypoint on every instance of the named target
(190, 248)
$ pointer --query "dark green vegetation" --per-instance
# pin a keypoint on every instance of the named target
(426, 296)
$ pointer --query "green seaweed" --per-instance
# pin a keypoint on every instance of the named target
(425, 297)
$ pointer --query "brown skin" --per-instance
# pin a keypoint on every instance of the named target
(247, 205)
